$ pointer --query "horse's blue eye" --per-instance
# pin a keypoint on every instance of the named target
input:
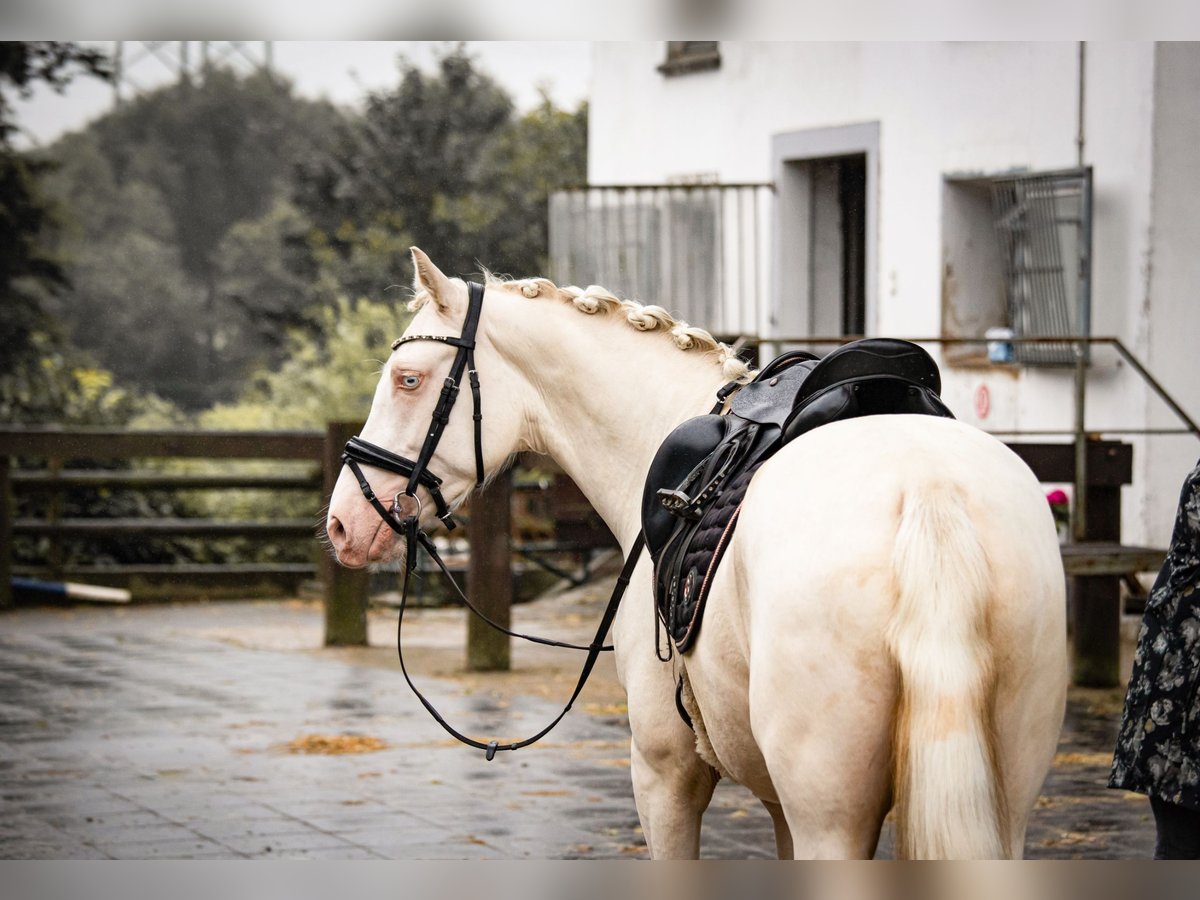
(410, 382)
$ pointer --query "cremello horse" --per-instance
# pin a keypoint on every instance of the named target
(887, 630)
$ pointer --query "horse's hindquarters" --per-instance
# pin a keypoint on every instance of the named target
(813, 599)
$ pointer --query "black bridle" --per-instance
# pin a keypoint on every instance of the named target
(360, 451)
(405, 521)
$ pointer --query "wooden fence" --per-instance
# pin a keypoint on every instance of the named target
(1096, 566)
(68, 458)
(62, 450)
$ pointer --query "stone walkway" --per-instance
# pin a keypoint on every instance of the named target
(187, 732)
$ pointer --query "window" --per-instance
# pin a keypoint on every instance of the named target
(1018, 255)
(690, 56)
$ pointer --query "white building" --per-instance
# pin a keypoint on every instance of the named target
(880, 206)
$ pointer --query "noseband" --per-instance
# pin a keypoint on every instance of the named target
(360, 451)
(405, 522)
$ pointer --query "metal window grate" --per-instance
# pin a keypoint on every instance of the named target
(1043, 223)
(699, 250)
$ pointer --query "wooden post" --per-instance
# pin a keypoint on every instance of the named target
(6, 517)
(489, 577)
(56, 557)
(1096, 599)
(345, 589)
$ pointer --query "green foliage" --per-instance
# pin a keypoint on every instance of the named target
(441, 159)
(25, 63)
(180, 225)
(28, 270)
(212, 229)
(321, 380)
(333, 378)
(543, 151)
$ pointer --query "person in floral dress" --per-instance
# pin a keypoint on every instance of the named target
(1158, 749)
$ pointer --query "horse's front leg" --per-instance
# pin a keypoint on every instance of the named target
(672, 785)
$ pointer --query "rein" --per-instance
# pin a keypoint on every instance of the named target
(403, 518)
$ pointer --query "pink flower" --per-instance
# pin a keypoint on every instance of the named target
(1057, 498)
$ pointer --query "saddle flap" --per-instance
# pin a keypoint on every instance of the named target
(770, 397)
(683, 450)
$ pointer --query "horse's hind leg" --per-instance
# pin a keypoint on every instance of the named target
(783, 834)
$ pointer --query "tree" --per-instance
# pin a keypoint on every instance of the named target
(27, 271)
(156, 189)
(408, 162)
(441, 160)
(543, 151)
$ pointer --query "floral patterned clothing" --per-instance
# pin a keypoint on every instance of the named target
(1158, 750)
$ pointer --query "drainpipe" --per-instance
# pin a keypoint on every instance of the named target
(1079, 507)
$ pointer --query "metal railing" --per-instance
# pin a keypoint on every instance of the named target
(700, 250)
(1079, 432)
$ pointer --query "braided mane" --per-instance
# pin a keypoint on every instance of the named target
(598, 300)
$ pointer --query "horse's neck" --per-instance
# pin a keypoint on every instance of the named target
(603, 416)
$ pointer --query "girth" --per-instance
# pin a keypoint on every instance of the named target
(700, 474)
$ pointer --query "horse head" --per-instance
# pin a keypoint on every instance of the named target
(412, 391)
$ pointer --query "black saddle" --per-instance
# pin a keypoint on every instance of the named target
(700, 474)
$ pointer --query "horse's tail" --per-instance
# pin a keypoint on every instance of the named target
(948, 796)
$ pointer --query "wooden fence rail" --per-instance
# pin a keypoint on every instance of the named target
(63, 450)
(64, 453)
(1095, 566)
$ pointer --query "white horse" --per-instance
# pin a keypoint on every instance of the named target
(886, 631)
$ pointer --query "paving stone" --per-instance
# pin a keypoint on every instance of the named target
(171, 848)
(163, 732)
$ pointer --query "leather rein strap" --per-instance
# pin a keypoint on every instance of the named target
(360, 451)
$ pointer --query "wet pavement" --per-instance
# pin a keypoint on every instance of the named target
(188, 731)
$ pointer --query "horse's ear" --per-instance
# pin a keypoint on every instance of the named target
(429, 278)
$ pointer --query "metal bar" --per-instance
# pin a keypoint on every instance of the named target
(697, 186)
(1154, 385)
(1079, 522)
(1069, 432)
(1084, 255)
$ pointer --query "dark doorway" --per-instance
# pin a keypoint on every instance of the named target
(852, 197)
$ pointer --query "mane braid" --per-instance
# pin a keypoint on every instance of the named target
(595, 299)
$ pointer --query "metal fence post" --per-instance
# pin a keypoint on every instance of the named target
(345, 589)
(490, 577)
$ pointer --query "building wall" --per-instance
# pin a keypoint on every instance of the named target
(1168, 321)
(953, 109)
